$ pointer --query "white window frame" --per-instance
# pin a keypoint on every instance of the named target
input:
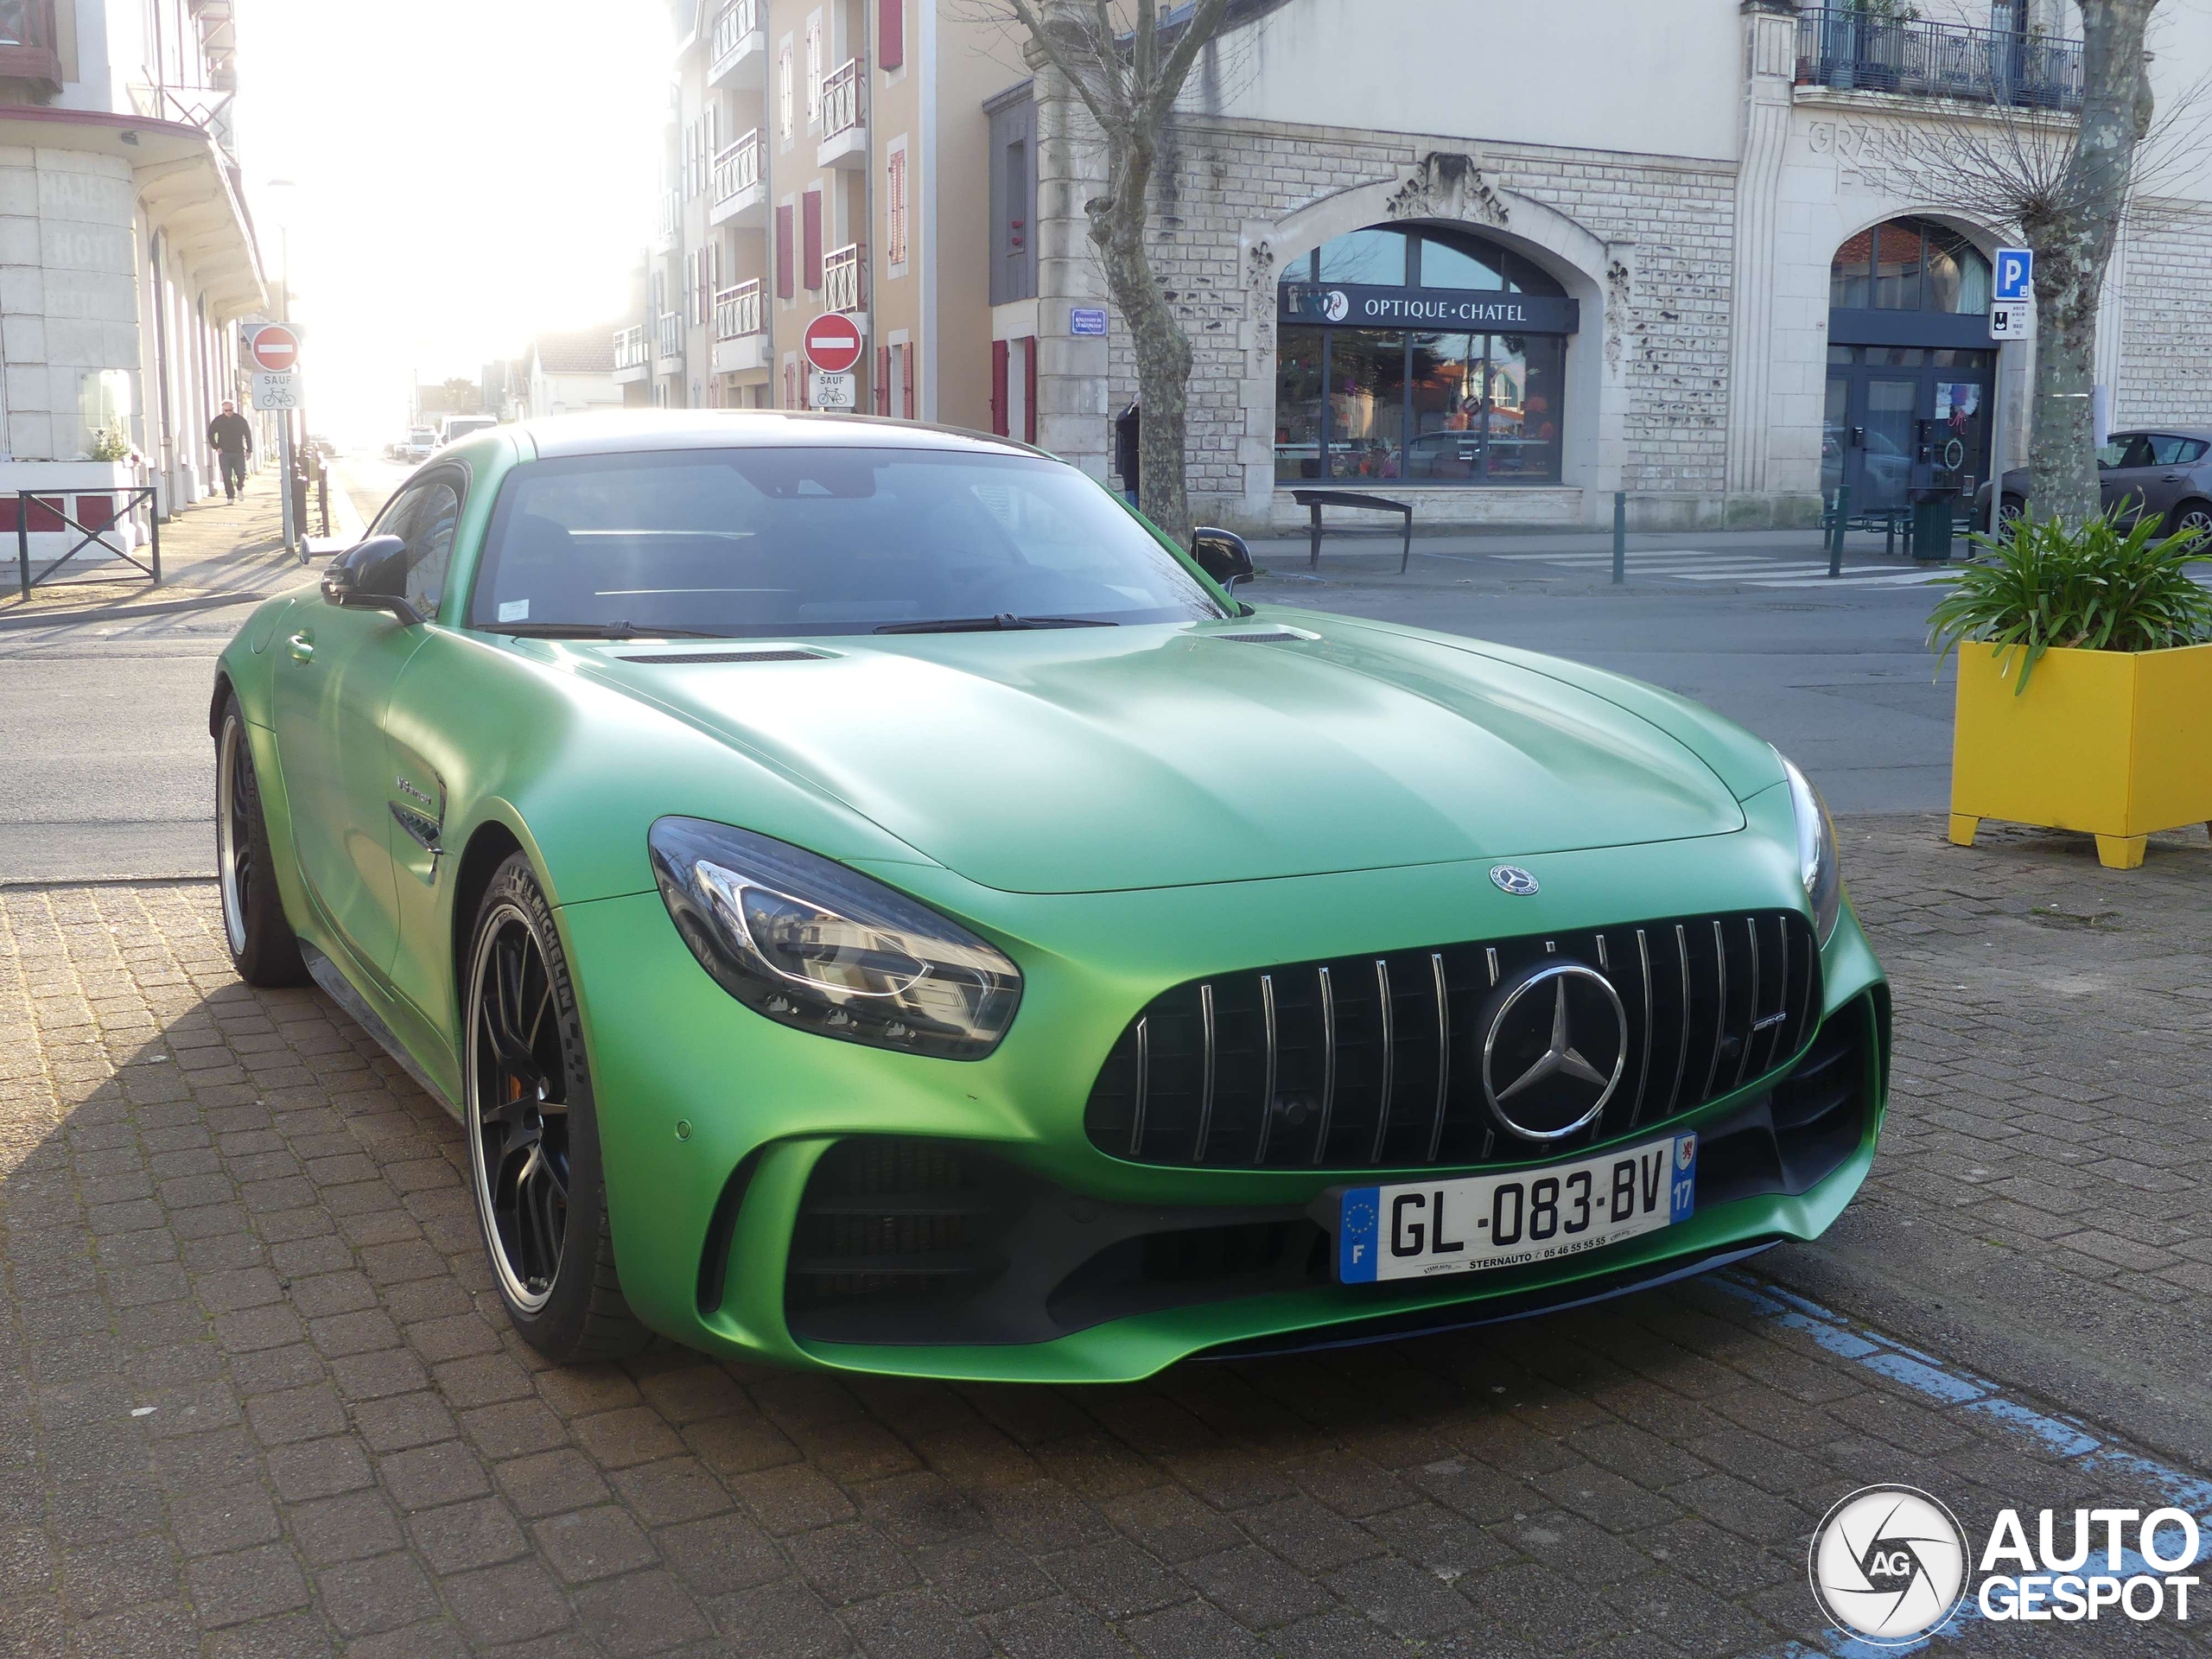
(898, 207)
(786, 96)
(816, 48)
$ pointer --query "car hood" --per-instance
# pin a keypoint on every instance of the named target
(1098, 759)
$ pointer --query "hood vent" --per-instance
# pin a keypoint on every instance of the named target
(782, 655)
(1273, 634)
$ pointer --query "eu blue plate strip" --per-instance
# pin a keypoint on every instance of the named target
(1946, 1385)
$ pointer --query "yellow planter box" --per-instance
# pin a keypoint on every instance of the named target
(2115, 743)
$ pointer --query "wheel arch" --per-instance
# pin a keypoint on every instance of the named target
(223, 693)
(490, 845)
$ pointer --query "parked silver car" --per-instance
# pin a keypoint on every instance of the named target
(2165, 474)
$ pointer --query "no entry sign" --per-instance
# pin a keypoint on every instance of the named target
(275, 347)
(833, 342)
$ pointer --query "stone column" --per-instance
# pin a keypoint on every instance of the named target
(1071, 369)
(1770, 59)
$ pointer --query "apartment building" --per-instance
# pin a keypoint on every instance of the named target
(837, 156)
(126, 254)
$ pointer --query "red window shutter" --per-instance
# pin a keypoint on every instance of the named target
(907, 374)
(883, 379)
(998, 387)
(810, 259)
(1029, 389)
(891, 33)
(783, 252)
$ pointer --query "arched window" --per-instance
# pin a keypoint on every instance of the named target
(1453, 399)
(1384, 257)
(1909, 265)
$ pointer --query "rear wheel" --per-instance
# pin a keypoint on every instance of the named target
(533, 1135)
(2192, 520)
(2008, 510)
(263, 947)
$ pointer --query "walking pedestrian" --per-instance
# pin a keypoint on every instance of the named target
(231, 436)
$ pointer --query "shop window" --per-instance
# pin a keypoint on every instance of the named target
(1375, 257)
(1299, 419)
(1909, 265)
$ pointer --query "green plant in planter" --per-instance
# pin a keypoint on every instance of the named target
(2091, 587)
(109, 443)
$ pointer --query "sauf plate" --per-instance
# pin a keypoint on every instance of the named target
(1419, 1229)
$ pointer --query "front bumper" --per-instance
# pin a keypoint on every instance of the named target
(715, 1123)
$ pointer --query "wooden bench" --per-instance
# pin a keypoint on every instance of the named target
(1314, 500)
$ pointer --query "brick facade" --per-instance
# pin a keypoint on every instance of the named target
(2165, 332)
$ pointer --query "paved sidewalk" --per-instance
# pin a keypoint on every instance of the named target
(213, 552)
(256, 1398)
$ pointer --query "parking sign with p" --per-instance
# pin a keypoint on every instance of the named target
(2016, 274)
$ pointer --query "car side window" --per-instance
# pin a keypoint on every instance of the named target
(2125, 449)
(2168, 451)
(430, 543)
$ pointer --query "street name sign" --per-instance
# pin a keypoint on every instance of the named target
(1087, 321)
(2012, 321)
(832, 390)
(2015, 275)
(276, 389)
(274, 347)
(833, 343)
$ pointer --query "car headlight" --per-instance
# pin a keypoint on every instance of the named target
(1816, 859)
(813, 945)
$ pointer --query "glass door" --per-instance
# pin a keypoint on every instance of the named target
(1882, 459)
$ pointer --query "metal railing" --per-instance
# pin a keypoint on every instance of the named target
(630, 347)
(1854, 50)
(731, 24)
(844, 286)
(668, 334)
(841, 99)
(737, 166)
(98, 514)
(737, 311)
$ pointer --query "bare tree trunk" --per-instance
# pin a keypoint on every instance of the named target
(2072, 232)
(1129, 87)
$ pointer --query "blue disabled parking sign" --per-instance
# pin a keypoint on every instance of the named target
(2016, 273)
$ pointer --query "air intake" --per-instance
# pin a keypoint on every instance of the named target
(729, 656)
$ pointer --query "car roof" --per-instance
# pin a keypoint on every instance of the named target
(2203, 432)
(613, 432)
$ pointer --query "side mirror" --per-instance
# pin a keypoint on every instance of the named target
(1221, 555)
(373, 575)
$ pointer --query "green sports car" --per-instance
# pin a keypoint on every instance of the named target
(873, 903)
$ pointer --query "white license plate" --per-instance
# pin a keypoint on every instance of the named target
(1417, 1229)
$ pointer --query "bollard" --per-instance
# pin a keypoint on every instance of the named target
(24, 539)
(1835, 539)
(1620, 536)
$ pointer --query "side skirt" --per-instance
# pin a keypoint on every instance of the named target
(341, 991)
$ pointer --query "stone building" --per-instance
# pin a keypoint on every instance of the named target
(126, 254)
(1504, 261)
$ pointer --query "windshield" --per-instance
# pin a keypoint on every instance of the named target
(421, 434)
(761, 541)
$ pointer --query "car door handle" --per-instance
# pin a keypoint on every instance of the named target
(2170, 477)
(302, 646)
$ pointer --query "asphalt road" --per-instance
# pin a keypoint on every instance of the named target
(103, 719)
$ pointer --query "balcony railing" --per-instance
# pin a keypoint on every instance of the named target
(737, 311)
(737, 167)
(841, 99)
(668, 334)
(731, 24)
(844, 284)
(1853, 50)
(630, 347)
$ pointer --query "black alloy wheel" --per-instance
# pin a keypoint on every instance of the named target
(262, 946)
(533, 1139)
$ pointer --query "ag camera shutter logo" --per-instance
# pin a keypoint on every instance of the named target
(1889, 1565)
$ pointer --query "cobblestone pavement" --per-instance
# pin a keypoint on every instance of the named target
(256, 1397)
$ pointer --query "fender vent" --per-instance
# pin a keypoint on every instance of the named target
(729, 656)
(1258, 639)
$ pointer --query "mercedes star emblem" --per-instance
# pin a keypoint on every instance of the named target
(1554, 1049)
(1511, 878)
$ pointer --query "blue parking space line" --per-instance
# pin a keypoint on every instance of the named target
(1946, 1385)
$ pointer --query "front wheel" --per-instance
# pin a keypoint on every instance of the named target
(262, 946)
(533, 1135)
(2008, 512)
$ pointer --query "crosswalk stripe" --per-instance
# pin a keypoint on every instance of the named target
(1906, 579)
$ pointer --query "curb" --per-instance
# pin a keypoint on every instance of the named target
(10, 623)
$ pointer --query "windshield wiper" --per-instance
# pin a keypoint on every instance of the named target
(1004, 620)
(600, 631)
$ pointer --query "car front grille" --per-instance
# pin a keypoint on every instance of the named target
(886, 1217)
(1375, 1061)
